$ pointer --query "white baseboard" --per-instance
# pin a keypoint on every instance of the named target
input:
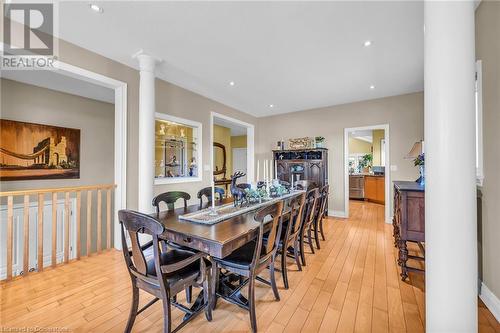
(336, 213)
(490, 300)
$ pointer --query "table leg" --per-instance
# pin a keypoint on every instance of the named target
(402, 259)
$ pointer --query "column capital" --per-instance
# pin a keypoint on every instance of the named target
(147, 62)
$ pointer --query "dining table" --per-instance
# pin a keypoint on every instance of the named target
(217, 240)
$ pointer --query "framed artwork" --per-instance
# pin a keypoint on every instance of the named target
(35, 151)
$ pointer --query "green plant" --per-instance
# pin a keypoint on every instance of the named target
(366, 160)
(319, 139)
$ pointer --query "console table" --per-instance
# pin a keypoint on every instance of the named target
(408, 222)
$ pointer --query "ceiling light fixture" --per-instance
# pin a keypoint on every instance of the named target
(372, 87)
(271, 105)
(367, 43)
(96, 8)
(231, 83)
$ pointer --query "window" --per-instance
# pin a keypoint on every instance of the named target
(479, 123)
(177, 150)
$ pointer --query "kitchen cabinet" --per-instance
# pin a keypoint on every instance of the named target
(375, 189)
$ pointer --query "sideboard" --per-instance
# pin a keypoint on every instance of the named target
(408, 222)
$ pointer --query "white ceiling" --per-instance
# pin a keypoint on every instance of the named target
(235, 129)
(294, 55)
(55, 81)
(365, 135)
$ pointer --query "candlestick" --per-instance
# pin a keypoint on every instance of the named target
(257, 179)
(213, 195)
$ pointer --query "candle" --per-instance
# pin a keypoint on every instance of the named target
(257, 179)
(265, 171)
(213, 195)
(275, 170)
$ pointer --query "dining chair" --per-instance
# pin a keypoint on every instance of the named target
(290, 232)
(207, 192)
(309, 216)
(253, 257)
(319, 213)
(170, 198)
(325, 191)
(164, 275)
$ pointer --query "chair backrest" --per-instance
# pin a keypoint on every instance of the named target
(296, 210)
(324, 199)
(207, 192)
(170, 198)
(273, 211)
(305, 185)
(311, 201)
(135, 223)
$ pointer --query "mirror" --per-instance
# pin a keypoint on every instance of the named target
(219, 160)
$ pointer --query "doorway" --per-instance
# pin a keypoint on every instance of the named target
(367, 166)
(232, 149)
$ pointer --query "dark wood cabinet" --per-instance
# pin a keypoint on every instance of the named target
(307, 164)
(408, 222)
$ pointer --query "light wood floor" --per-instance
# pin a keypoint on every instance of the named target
(350, 285)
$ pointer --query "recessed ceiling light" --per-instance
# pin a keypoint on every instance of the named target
(96, 8)
(231, 83)
(271, 105)
(367, 43)
(372, 87)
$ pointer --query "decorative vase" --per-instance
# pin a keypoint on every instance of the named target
(319, 144)
(421, 180)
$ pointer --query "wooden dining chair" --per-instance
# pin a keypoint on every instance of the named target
(317, 225)
(252, 258)
(207, 192)
(309, 216)
(325, 191)
(289, 241)
(170, 198)
(305, 185)
(166, 274)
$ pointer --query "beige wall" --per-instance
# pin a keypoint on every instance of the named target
(377, 135)
(404, 114)
(179, 102)
(488, 50)
(95, 120)
(357, 146)
(239, 141)
(170, 99)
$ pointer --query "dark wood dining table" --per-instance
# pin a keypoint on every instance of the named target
(217, 240)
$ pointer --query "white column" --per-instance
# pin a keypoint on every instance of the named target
(450, 194)
(147, 66)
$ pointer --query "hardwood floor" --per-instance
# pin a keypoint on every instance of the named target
(351, 285)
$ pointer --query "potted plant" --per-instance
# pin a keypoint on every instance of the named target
(366, 162)
(319, 141)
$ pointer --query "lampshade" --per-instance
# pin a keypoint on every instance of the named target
(415, 151)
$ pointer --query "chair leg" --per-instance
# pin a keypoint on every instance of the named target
(189, 293)
(273, 281)
(296, 246)
(316, 233)
(207, 296)
(167, 317)
(309, 238)
(321, 228)
(302, 254)
(251, 303)
(284, 273)
(133, 308)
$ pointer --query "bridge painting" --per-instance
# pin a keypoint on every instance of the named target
(36, 151)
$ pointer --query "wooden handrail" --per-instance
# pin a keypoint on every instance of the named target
(57, 190)
(70, 193)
